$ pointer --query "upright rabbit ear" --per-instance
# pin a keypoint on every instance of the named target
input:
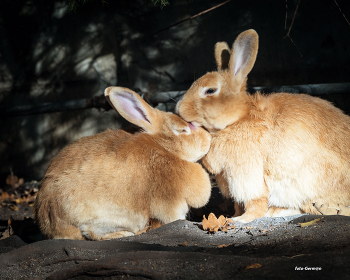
(132, 107)
(222, 55)
(243, 54)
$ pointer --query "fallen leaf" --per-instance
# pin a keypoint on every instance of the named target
(184, 244)
(310, 223)
(224, 245)
(4, 196)
(13, 207)
(14, 181)
(212, 224)
(17, 200)
(222, 220)
(5, 234)
(213, 221)
(253, 265)
(205, 223)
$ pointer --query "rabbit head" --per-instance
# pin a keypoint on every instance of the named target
(169, 130)
(219, 98)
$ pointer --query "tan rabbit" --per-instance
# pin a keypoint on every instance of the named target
(269, 152)
(111, 184)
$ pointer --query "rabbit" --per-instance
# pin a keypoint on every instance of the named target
(112, 184)
(275, 155)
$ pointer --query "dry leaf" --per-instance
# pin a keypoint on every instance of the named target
(14, 181)
(253, 265)
(4, 196)
(205, 223)
(13, 207)
(224, 245)
(17, 200)
(5, 234)
(313, 222)
(222, 220)
(213, 221)
(212, 224)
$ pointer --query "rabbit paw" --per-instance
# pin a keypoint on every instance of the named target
(281, 212)
(244, 218)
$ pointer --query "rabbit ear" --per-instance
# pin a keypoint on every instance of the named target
(222, 55)
(131, 107)
(243, 54)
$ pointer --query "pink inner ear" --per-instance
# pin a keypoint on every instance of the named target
(242, 53)
(129, 105)
(241, 59)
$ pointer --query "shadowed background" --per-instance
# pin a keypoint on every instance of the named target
(50, 54)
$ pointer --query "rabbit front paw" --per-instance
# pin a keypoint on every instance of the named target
(245, 218)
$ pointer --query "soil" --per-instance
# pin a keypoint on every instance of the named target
(267, 248)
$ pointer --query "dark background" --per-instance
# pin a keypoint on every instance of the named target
(50, 54)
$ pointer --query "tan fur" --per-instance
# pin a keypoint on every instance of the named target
(111, 184)
(286, 151)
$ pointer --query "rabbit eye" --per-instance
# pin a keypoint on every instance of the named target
(186, 130)
(210, 91)
(178, 131)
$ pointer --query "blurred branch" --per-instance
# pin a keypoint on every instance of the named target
(291, 25)
(74, 4)
(285, 22)
(342, 12)
(191, 17)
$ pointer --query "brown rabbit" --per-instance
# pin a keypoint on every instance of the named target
(111, 184)
(268, 152)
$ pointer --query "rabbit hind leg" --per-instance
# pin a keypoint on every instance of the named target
(67, 231)
(254, 209)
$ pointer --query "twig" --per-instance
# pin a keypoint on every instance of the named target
(285, 22)
(191, 17)
(290, 28)
(342, 12)
(69, 259)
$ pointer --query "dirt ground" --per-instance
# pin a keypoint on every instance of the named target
(291, 249)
